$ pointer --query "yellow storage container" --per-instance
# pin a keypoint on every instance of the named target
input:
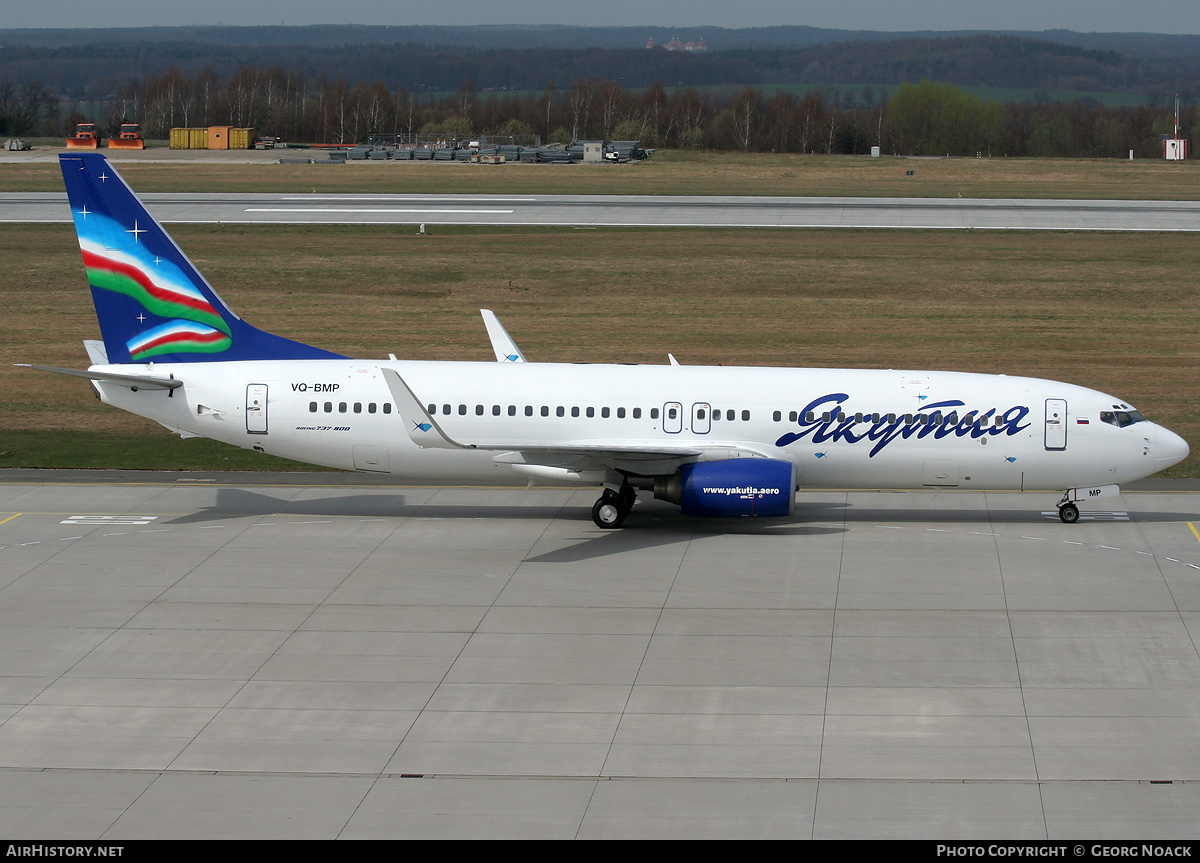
(218, 137)
(241, 139)
(189, 139)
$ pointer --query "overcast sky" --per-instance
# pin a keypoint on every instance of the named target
(1158, 16)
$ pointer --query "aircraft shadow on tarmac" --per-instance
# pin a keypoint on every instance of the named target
(651, 523)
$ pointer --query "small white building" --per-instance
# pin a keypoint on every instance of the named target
(1174, 149)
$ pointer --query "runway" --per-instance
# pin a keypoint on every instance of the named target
(197, 656)
(637, 211)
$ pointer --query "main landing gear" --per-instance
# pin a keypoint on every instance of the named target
(610, 510)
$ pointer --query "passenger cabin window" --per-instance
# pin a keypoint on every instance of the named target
(653, 413)
(637, 413)
(387, 407)
(746, 416)
(312, 407)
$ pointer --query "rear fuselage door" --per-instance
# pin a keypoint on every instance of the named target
(1056, 424)
(256, 408)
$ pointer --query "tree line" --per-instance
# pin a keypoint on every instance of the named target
(910, 119)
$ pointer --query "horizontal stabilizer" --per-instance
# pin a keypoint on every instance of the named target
(134, 382)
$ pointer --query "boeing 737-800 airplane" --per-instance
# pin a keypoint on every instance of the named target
(716, 441)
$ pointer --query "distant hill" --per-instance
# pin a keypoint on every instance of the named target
(92, 64)
(557, 36)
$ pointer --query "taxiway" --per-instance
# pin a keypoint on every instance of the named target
(196, 656)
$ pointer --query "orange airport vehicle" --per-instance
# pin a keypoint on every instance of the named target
(85, 137)
(129, 138)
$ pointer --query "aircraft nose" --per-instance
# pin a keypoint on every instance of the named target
(1169, 448)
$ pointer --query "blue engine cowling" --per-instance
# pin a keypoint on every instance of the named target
(762, 487)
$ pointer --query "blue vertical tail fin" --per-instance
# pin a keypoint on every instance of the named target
(151, 301)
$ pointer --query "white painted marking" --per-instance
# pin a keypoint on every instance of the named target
(109, 519)
(1052, 515)
(440, 211)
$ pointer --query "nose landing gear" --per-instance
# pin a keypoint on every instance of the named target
(1068, 512)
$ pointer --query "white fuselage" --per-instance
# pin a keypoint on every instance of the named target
(841, 428)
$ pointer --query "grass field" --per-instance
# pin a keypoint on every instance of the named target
(1117, 312)
(666, 173)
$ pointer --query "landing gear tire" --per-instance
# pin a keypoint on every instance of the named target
(608, 513)
(628, 497)
(1068, 513)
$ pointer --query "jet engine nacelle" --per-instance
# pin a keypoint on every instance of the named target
(763, 487)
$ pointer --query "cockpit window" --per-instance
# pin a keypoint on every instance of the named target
(1120, 419)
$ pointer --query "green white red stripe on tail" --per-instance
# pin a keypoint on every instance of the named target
(156, 284)
(176, 337)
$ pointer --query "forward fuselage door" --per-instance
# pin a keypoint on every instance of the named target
(1056, 424)
(256, 408)
(701, 417)
(672, 417)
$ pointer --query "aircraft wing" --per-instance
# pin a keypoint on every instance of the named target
(651, 456)
(502, 343)
(134, 382)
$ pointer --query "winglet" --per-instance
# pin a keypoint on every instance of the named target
(422, 428)
(502, 343)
